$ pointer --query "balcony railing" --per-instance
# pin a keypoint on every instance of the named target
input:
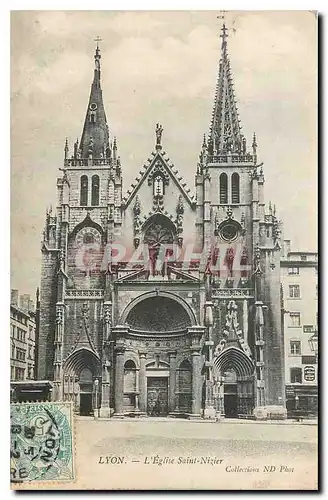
(87, 162)
(233, 158)
(84, 294)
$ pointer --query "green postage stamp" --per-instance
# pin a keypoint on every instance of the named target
(41, 442)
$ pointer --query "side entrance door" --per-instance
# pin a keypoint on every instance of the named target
(85, 404)
(230, 401)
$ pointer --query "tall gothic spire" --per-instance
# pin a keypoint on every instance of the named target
(95, 136)
(225, 132)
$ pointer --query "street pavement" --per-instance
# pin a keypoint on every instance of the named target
(171, 451)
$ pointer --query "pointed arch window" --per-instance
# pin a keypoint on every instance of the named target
(223, 188)
(158, 186)
(95, 190)
(84, 191)
(235, 198)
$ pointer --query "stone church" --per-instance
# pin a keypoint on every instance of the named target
(162, 301)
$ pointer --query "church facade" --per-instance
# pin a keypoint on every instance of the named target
(160, 301)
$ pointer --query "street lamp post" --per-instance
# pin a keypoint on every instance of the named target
(96, 398)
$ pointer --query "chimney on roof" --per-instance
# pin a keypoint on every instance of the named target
(24, 301)
(14, 297)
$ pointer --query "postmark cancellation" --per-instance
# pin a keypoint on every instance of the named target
(41, 443)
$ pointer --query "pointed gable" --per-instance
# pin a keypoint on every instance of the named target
(84, 339)
(232, 334)
(159, 163)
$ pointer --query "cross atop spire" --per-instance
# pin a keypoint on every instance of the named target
(98, 39)
(97, 54)
(224, 37)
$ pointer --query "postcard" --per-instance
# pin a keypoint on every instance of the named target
(164, 302)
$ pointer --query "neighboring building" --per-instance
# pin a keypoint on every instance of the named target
(299, 279)
(22, 337)
(24, 332)
(185, 337)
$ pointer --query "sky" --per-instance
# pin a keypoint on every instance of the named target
(160, 67)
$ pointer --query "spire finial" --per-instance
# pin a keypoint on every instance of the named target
(224, 37)
(98, 39)
(97, 54)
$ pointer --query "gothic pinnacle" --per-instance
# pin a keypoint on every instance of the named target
(254, 147)
(66, 148)
(76, 147)
(254, 144)
(244, 145)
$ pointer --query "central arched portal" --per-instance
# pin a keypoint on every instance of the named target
(158, 365)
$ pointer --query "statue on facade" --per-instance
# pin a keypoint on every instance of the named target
(159, 132)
